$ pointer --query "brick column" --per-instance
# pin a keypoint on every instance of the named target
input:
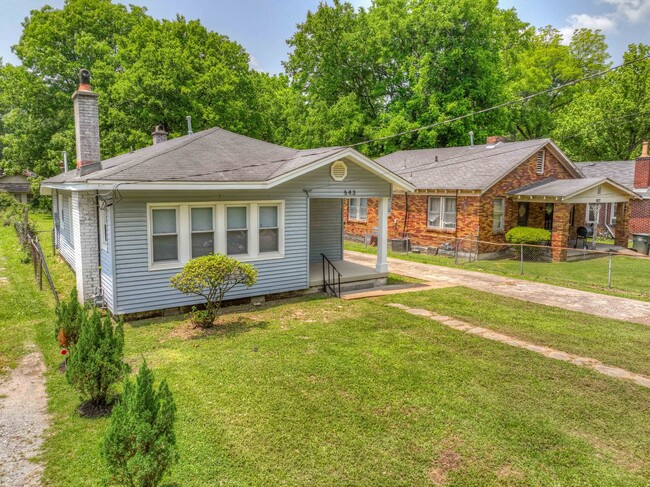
(622, 228)
(560, 233)
(86, 245)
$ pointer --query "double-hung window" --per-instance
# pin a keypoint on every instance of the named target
(612, 214)
(237, 230)
(358, 209)
(592, 212)
(442, 212)
(164, 235)
(498, 212)
(269, 229)
(202, 231)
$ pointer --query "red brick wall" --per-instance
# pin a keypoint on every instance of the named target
(642, 172)
(640, 219)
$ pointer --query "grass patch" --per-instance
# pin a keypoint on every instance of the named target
(629, 274)
(613, 342)
(324, 391)
(394, 279)
(23, 306)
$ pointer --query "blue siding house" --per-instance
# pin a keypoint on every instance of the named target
(127, 224)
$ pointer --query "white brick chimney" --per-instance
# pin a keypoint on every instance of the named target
(159, 135)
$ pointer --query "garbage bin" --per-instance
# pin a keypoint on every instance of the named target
(641, 243)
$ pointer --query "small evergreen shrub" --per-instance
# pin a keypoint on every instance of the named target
(211, 277)
(140, 445)
(528, 235)
(95, 362)
(69, 315)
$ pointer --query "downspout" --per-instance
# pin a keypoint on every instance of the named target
(99, 249)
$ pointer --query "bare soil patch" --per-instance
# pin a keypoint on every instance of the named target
(23, 421)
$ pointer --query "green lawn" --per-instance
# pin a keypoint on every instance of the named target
(22, 305)
(619, 343)
(321, 391)
(629, 274)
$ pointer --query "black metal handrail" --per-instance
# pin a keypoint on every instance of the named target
(328, 278)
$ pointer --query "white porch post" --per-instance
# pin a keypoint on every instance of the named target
(382, 235)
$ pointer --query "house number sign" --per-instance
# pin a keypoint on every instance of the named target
(349, 192)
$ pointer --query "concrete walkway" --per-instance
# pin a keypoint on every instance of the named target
(534, 292)
(587, 362)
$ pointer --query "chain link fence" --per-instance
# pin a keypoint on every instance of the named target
(602, 269)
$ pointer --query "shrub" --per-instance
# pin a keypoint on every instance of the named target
(95, 362)
(528, 235)
(69, 315)
(211, 277)
(140, 444)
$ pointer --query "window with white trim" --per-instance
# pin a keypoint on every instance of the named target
(202, 231)
(612, 213)
(164, 235)
(103, 226)
(541, 156)
(498, 215)
(179, 232)
(441, 212)
(358, 209)
(592, 212)
(237, 230)
(269, 228)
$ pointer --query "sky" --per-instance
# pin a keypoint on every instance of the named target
(262, 26)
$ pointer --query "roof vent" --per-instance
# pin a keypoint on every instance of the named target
(339, 171)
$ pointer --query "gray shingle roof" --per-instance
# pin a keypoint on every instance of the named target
(620, 171)
(464, 168)
(557, 187)
(16, 187)
(213, 155)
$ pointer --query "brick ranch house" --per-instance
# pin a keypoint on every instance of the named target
(480, 192)
(634, 175)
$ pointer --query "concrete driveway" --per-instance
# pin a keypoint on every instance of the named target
(534, 292)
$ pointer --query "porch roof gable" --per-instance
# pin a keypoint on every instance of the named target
(584, 190)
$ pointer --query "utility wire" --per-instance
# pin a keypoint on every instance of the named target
(503, 105)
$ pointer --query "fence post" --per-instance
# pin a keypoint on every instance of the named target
(456, 252)
(521, 259)
(609, 271)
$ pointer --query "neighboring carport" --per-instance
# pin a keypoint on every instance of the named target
(563, 196)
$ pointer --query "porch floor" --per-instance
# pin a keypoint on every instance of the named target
(350, 272)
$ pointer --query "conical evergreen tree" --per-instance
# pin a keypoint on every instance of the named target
(95, 363)
(140, 444)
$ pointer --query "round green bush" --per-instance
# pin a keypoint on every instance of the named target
(528, 235)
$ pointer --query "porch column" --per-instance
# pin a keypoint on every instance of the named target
(382, 235)
(622, 228)
(560, 232)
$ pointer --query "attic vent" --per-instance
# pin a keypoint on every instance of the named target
(540, 162)
(339, 171)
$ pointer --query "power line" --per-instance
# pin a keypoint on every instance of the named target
(502, 105)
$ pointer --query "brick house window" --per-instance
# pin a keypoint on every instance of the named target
(541, 155)
(612, 214)
(498, 215)
(442, 212)
(592, 212)
(358, 209)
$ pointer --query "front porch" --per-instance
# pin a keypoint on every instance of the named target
(326, 260)
(564, 206)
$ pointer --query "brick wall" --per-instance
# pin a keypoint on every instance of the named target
(640, 218)
(86, 245)
(473, 213)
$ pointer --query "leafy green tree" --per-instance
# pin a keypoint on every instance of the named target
(211, 277)
(140, 446)
(610, 119)
(543, 63)
(95, 362)
(69, 317)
